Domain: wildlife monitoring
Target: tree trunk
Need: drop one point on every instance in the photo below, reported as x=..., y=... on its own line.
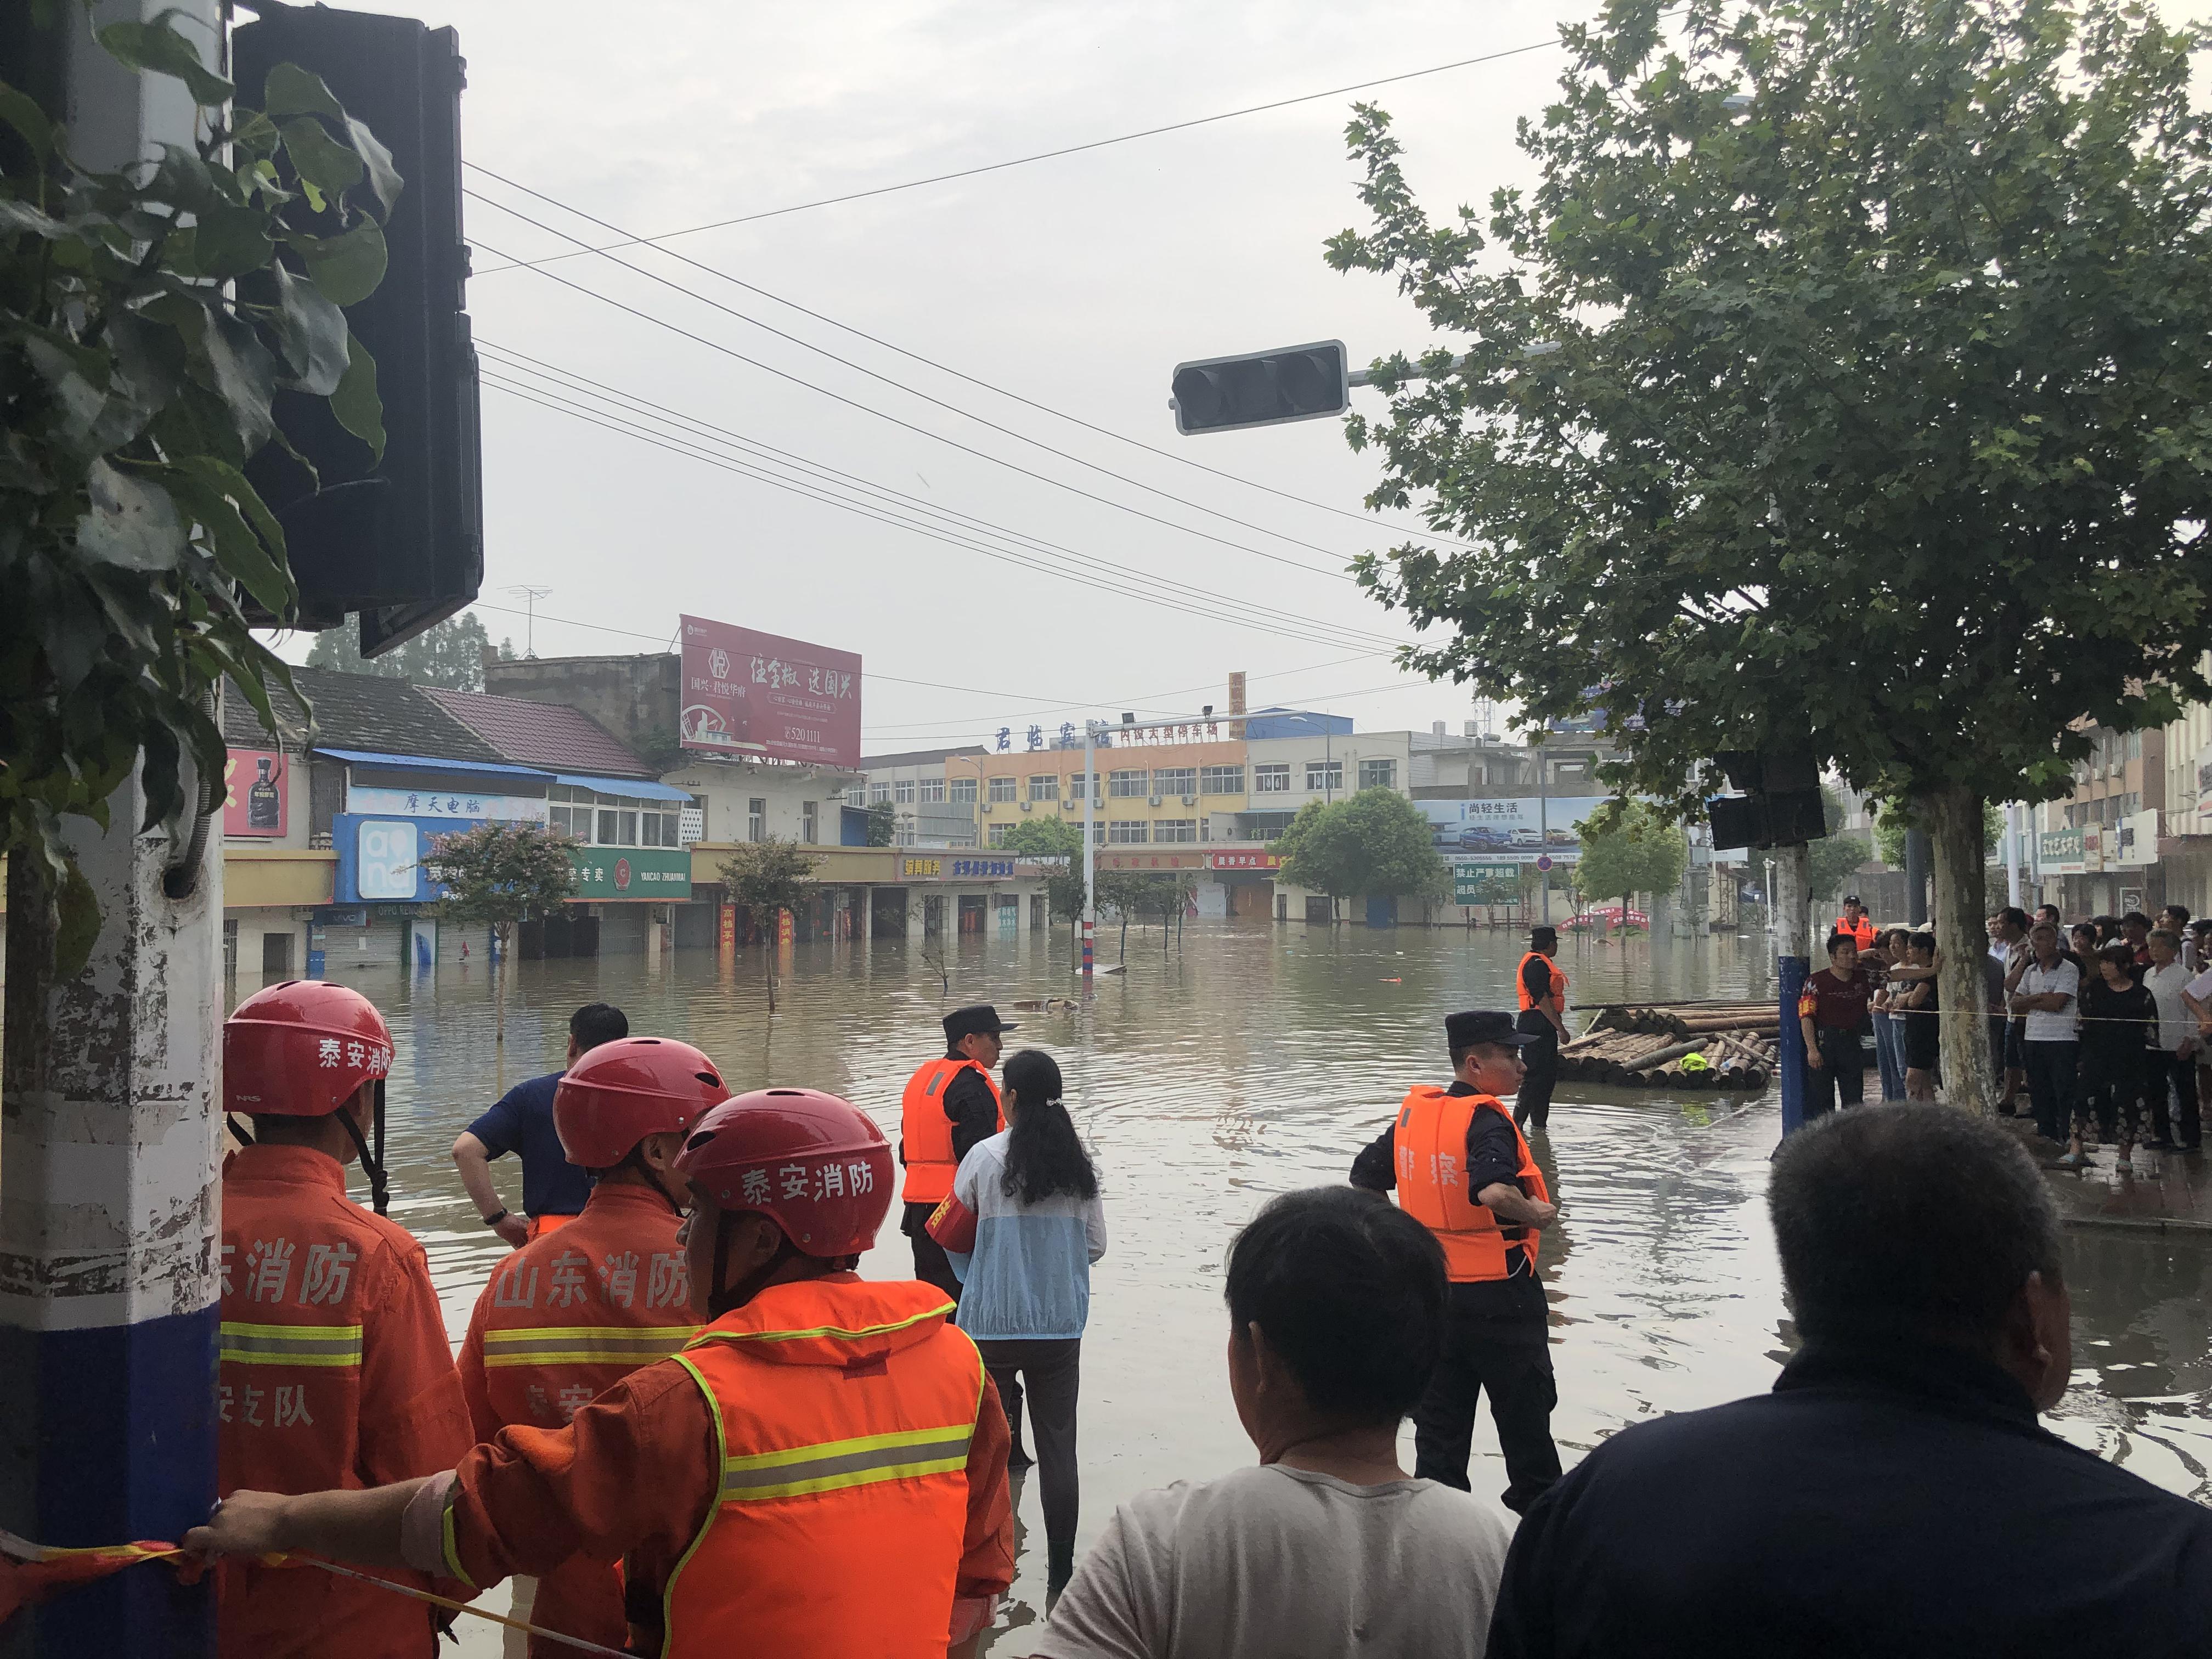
x=1953, y=818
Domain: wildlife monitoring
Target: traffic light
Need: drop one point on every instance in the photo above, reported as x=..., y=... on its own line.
x=1781, y=806
x=400, y=541
x=1262, y=388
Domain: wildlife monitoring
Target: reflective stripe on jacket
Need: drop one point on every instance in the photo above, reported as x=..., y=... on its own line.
x=1556, y=999
x=334, y=1372
x=842, y=1417
x=927, y=1133
x=561, y=1320
x=1428, y=1142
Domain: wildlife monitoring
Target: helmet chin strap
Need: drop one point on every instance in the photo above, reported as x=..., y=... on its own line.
x=634, y=1159
x=371, y=1164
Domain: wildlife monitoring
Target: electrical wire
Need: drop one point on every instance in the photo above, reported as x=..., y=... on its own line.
x=1131, y=703
x=943, y=368
x=1308, y=632
x=952, y=408
x=691, y=427
x=949, y=730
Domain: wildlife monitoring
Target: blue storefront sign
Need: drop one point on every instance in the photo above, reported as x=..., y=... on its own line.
x=381, y=857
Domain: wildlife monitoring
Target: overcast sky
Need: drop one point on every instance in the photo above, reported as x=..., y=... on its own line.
x=1077, y=281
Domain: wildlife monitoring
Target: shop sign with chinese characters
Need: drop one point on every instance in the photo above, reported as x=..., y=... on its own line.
x=608, y=874
x=447, y=802
x=1244, y=861
x=760, y=694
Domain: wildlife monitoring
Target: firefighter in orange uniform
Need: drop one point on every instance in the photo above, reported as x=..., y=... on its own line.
x=820, y=1474
x=335, y=1370
x=949, y=1105
x=565, y=1318
x=1543, y=1020
x=1855, y=922
x=1461, y=1168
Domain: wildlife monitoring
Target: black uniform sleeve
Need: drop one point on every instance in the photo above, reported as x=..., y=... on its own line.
x=1536, y=978
x=1522, y=1624
x=1376, y=1167
x=973, y=1109
x=1492, y=1154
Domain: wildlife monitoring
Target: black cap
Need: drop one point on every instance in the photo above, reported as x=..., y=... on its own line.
x=979, y=1019
x=1853, y=898
x=1483, y=1025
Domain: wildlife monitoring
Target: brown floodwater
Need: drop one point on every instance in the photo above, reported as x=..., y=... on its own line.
x=1257, y=1058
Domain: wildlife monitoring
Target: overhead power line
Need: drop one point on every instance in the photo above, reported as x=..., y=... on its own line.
x=693, y=428
x=1370, y=521
x=1054, y=154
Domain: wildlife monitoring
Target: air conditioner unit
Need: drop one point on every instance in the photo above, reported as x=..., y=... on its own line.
x=1155, y=800
x=1026, y=806
x=1190, y=800
x=985, y=806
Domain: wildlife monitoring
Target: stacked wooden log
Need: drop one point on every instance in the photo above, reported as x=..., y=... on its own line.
x=1645, y=1045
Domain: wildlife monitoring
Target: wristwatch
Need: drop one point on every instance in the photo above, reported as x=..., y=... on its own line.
x=494, y=1219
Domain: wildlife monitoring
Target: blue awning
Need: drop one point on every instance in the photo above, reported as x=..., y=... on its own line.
x=634, y=788
x=431, y=764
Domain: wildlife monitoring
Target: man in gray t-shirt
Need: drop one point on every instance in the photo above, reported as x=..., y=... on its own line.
x=1336, y=1303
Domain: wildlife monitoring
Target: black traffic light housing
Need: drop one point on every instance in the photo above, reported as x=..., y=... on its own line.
x=400, y=541
x=1781, y=805
x=1262, y=388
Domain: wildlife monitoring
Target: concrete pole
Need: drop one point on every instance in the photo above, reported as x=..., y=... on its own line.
x=109, y=1194
x=1090, y=851
x=1792, y=873
x=2015, y=814
x=1544, y=828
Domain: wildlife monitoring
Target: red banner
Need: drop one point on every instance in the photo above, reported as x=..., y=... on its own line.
x=760, y=693
x=255, y=806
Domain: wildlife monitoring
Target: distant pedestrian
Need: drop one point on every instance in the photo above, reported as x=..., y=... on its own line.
x=2081, y=946
x=2119, y=1030
x=1923, y=1036
x=2174, y=1069
x=2050, y=913
x=2135, y=932
x=1894, y=1494
x=1022, y=1227
x=1543, y=1018
x=1888, y=955
x=2045, y=997
x=1835, y=1005
x=2175, y=918
x=1336, y=1310
x=1855, y=922
x=949, y=1107
x=554, y=1190
x=2008, y=930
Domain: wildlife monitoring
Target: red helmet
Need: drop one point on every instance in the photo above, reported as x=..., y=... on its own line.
x=620, y=1092
x=814, y=1164
x=301, y=1049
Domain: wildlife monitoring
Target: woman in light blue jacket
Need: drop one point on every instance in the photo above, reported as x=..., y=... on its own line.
x=1022, y=1228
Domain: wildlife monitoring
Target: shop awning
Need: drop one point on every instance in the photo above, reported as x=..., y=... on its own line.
x=634, y=788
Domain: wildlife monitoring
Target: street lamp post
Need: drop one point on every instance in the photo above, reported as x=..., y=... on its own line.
x=1090, y=848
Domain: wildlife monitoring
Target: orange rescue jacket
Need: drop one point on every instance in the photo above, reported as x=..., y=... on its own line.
x=1556, y=999
x=562, y=1319
x=335, y=1373
x=925, y=1133
x=1863, y=932
x=1429, y=1141
x=842, y=1415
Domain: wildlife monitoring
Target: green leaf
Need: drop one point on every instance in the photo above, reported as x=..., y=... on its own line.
x=288, y=91
x=312, y=333
x=322, y=162
x=254, y=136
x=21, y=216
x=215, y=493
x=384, y=181
x=239, y=370
x=21, y=112
x=230, y=241
x=346, y=267
x=132, y=522
x=77, y=914
x=157, y=49
x=356, y=403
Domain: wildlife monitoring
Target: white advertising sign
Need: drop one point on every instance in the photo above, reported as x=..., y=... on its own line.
x=2133, y=842
x=446, y=803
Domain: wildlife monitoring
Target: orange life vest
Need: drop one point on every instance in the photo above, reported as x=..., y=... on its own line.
x=1863, y=932
x=562, y=1321
x=927, y=1133
x=842, y=1410
x=1429, y=1141
x=1556, y=999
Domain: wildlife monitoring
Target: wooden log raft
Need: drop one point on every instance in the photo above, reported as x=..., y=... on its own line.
x=1645, y=1044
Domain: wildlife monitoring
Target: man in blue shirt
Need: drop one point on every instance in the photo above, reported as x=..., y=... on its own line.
x=553, y=1189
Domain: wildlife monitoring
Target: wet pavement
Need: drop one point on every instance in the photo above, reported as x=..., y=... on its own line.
x=1257, y=1058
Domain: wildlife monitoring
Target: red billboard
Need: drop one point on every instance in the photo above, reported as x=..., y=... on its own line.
x=760, y=693
x=254, y=804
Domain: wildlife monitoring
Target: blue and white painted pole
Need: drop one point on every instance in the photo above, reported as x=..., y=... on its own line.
x=109, y=1188
x=1793, y=950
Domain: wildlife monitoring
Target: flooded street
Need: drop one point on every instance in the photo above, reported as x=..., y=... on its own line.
x=1258, y=1059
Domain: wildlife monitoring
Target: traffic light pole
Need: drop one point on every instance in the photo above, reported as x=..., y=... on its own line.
x=1794, y=956
x=1090, y=848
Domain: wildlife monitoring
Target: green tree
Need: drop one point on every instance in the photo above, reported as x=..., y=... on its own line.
x=1639, y=851
x=449, y=655
x=1126, y=893
x=148, y=319
x=1054, y=838
x=767, y=878
x=1377, y=841
x=883, y=824
x=502, y=874
x=1894, y=819
x=1870, y=418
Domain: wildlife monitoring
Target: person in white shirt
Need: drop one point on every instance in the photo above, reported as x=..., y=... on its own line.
x=2175, y=1067
x=2046, y=995
x=1336, y=1308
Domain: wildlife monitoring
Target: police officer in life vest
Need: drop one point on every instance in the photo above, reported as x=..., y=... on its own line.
x=949, y=1105
x=1461, y=1167
x=1543, y=1021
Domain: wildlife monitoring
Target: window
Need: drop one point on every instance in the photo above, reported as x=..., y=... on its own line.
x=757, y=819
x=1044, y=786
x=857, y=795
x=608, y=829
x=878, y=793
x=1272, y=779
x=558, y=816
x=1220, y=779
x=626, y=835
x=1378, y=775
x=1324, y=774
x=1098, y=832
x=1075, y=786
x=1175, y=780
x=1128, y=832
x=902, y=791
x=963, y=792
x=932, y=789
x=1176, y=830
x=809, y=821
x=1128, y=783
x=1002, y=789
x=999, y=832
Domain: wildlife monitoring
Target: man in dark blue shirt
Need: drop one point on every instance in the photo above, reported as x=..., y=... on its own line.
x=1894, y=1494
x=553, y=1189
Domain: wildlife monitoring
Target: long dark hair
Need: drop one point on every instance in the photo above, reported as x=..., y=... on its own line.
x=1044, y=1157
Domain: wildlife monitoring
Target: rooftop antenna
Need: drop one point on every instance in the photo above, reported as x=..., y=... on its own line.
x=530, y=595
